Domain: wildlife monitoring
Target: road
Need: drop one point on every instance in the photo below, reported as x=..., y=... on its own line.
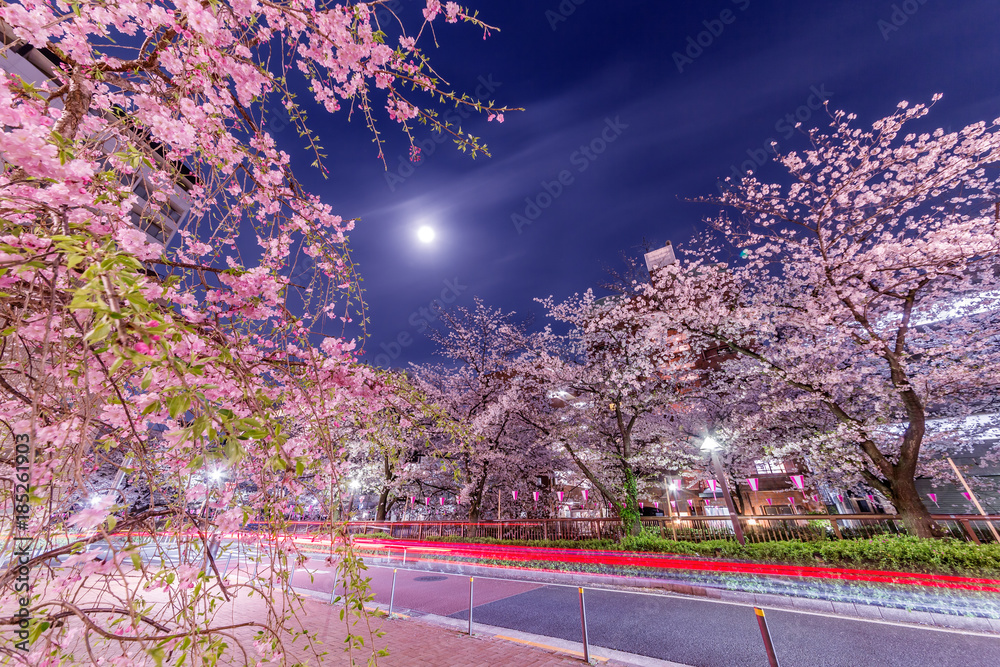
x=684, y=630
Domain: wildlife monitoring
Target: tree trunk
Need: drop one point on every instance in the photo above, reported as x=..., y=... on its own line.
x=382, y=502
x=630, y=514
x=911, y=508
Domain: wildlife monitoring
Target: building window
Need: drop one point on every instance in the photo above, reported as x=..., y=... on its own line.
x=770, y=466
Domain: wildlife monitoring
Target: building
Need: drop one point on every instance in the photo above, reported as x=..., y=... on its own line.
x=160, y=222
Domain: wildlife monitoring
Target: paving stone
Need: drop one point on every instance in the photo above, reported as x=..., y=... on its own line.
x=904, y=616
x=971, y=623
x=844, y=608
x=809, y=604
x=768, y=600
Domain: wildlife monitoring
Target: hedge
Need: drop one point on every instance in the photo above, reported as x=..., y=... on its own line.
x=887, y=552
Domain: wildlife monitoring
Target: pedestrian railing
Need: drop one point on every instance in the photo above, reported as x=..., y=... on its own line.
x=764, y=528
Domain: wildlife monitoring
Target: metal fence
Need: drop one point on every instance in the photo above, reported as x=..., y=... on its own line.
x=766, y=528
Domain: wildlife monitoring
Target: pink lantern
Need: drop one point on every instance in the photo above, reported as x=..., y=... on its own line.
x=967, y=495
x=514, y=493
x=560, y=496
x=753, y=483
x=770, y=502
x=690, y=503
x=798, y=482
x=640, y=504
x=427, y=501
x=673, y=503
x=870, y=498
x=816, y=498
x=840, y=497
x=586, y=495
x=712, y=484
x=442, y=501
x=656, y=504
x=933, y=497
x=536, y=496
x=791, y=499
x=413, y=500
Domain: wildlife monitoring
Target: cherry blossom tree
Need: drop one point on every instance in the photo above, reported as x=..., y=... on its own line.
x=621, y=383
x=482, y=389
x=864, y=304
x=194, y=369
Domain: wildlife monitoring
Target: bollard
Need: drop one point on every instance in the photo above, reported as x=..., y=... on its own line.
x=583, y=621
x=471, y=583
x=392, y=594
x=772, y=659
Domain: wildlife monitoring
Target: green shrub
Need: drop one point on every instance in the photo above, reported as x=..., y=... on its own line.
x=887, y=552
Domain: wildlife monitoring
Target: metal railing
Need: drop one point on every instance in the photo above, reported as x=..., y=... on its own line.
x=763, y=528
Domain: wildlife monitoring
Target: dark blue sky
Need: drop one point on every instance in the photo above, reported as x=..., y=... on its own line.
x=610, y=69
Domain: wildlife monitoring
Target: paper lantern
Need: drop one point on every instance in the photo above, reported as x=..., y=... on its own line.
x=816, y=498
x=673, y=503
x=870, y=498
x=427, y=501
x=690, y=503
x=560, y=496
x=967, y=495
x=770, y=502
x=933, y=497
x=791, y=499
x=798, y=482
x=640, y=504
x=753, y=483
x=536, y=496
x=413, y=500
x=514, y=493
x=712, y=484
x=840, y=497
x=442, y=500
x=656, y=504
x=586, y=495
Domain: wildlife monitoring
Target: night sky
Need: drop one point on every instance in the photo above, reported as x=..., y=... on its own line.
x=668, y=127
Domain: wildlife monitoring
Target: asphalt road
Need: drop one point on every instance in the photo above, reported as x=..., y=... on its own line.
x=688, y=631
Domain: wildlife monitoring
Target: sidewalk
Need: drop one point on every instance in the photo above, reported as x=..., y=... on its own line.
x=411, y=642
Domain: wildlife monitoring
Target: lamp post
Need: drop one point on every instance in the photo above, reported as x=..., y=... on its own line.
x=354, y=486
x=713, y=447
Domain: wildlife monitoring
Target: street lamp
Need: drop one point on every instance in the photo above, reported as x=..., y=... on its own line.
x=712, y=447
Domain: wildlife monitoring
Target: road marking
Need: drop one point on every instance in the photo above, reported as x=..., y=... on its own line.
x=547, y=647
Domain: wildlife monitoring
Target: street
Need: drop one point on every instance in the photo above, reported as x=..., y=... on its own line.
x=684, y=630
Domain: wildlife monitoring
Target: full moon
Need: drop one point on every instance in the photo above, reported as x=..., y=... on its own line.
x=426, y=234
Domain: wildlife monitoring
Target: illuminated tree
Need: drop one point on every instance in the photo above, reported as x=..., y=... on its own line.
x=865, y=302
x=194, y=369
